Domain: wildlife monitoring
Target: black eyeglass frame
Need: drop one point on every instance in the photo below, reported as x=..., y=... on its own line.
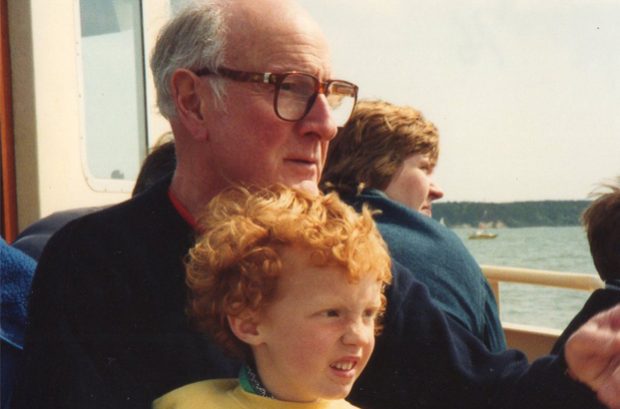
x=277, y=79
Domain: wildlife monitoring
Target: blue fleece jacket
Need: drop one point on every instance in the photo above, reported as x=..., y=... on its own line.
x=437, y=257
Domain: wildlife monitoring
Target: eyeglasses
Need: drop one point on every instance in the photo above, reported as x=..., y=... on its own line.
x=296, y=92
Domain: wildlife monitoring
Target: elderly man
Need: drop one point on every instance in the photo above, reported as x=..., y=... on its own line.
x=247, y=88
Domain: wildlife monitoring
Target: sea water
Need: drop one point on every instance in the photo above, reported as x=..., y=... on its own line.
x=563, y=249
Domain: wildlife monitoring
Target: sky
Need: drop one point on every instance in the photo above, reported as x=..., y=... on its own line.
x=525, y=93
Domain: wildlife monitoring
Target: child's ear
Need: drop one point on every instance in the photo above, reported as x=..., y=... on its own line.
x=245, y=327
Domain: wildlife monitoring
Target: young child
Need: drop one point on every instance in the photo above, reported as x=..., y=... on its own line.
x=291, y=283
x=602, y=222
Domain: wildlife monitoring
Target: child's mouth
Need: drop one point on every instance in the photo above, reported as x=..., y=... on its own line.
x=343, y=366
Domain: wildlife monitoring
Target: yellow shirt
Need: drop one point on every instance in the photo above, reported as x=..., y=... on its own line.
x=227, y=394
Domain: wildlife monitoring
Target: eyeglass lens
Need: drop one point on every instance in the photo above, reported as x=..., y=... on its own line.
x=297, y=92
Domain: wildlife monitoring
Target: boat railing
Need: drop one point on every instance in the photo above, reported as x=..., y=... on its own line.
x=533, y=340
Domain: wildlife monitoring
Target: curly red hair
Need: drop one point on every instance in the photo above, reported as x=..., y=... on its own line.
x=235, y=264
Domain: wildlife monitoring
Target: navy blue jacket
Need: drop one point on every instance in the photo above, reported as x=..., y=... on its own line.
x=108, y=330
x=33, y=238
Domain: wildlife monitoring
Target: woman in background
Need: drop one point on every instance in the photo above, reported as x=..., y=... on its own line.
x=385, y=156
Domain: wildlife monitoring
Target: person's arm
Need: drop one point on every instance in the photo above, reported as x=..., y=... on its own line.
x=424, y=359
x=593, y=355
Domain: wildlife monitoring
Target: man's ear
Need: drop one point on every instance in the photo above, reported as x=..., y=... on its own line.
x=190, y=97
x=245, y=327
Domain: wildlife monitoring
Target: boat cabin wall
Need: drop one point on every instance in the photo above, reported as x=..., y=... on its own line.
x=83, y=100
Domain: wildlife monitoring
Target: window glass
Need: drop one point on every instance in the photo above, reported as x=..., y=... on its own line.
x=177, y=5
x=112, y=94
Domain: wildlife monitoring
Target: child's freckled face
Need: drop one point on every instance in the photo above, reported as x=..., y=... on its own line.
x=317, y=336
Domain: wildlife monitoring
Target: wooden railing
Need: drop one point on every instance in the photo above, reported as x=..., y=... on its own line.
x=575, y=281
x=535, y=341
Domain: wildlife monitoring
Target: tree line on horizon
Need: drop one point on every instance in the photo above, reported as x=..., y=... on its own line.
x=514, y=214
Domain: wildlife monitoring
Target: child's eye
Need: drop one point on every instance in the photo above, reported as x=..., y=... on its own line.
x=331, y=313
x=370, y=313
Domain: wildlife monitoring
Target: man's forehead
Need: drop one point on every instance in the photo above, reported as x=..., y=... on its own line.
x=283, y=38
x=264, y=11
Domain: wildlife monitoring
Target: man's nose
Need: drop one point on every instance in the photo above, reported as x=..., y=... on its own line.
x=320, y=120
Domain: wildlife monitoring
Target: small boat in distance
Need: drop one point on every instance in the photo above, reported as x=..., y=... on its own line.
x=482, y=234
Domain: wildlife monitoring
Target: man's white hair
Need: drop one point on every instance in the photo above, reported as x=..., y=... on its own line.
x=194, y=38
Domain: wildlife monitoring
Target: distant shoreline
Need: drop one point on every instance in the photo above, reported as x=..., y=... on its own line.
x=515, y=214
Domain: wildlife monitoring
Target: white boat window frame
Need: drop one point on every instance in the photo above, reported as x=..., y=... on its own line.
x=152, y=15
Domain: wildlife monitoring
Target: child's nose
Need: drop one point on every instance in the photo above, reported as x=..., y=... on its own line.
x=358, y=333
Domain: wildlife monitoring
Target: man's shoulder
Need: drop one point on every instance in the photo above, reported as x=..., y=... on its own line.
x=32, y=239
x=121, y=231
x=151, y=208
x=55, y=221
x=114, y=262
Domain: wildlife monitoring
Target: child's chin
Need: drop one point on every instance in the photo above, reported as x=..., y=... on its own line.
x=340, y=392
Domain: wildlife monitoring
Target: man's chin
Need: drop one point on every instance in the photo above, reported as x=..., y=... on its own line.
x=309, y=186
